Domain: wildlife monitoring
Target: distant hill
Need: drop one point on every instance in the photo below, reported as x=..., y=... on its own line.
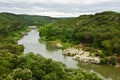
x=35, y=19
x=10, y=21
x=27, y=19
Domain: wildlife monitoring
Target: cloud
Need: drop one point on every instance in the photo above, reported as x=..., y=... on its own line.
x=82, y=2
x=58, y=8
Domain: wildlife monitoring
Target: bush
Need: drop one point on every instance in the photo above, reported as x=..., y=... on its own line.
x=20, y=74
x=108, y=60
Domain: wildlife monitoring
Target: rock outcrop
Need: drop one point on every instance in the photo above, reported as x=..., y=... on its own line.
x=70, y=52
x=58, y=45
x=81, y=55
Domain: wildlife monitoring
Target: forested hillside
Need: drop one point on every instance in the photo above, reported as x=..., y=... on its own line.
x=100, y=31
x=9, y=20
x=14, y=65
x=36, y=20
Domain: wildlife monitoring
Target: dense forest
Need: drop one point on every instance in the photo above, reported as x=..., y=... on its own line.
x=11, y=22
x=14, y=65
x=100, y=31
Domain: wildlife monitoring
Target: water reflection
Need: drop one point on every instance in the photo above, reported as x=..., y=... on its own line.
x=51, y=47
x=109, y=72
x=32, y=43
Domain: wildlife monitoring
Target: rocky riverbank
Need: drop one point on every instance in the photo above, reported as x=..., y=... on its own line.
x=81, y=55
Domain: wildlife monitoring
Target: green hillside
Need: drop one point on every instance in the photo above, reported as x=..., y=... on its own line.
x=100, y=31
x=14, y=65
x=35, y=19
x=11, y=22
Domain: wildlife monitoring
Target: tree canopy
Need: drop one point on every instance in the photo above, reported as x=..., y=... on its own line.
x=101, y=31
x=14, y=65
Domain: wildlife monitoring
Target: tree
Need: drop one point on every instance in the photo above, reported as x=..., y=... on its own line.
x=50, y=76
x=20, y=74
x=107, y=46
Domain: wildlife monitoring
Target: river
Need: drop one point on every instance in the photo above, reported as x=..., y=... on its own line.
x=32, y=43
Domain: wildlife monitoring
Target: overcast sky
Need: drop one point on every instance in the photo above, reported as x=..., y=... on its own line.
x=59, y=8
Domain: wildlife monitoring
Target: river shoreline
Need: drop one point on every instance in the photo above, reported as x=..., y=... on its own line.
x=32, y=44
x=94, y=56
x=81, y=55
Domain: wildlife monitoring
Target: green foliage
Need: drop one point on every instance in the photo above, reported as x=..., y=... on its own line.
x=16, y=20
x=106, y=44
x=17, y=66
x=14, y=49
x=100, y=31
x=47, y=69
x=10, y=28
x=36, y=20
x=7, y=62
x=40, y=66
x=77, y=74
x=20, y=74
x=108, y=60
x=50, y=76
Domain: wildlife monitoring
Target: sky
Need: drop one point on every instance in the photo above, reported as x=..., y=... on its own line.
x=59, y=8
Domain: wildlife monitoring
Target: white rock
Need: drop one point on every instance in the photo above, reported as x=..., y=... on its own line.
x=58, y=45
x=70, y=51
x=81, y=55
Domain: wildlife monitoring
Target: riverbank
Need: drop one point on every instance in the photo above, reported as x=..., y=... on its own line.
x=59, y=44
x=81, y=55
x=32, y=44
x=85, y=54
x=78, y=54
